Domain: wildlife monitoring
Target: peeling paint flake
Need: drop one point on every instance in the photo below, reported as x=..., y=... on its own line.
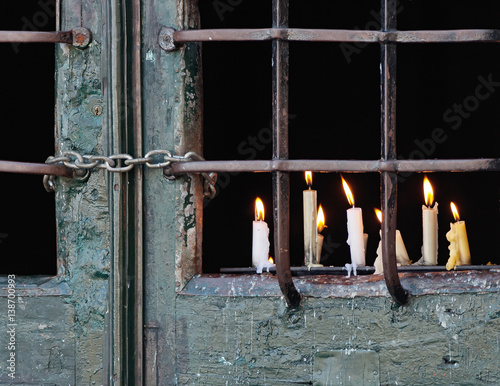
x=224, y=361
x=150, y=56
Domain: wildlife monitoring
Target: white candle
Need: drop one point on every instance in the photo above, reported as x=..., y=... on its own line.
x=402, y=257
x=429, y=227
x=459, y=243
x=401, y=252
x=355, y=237
x=260, y=239
x=310, y=222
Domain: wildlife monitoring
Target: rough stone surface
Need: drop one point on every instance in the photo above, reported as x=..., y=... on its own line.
x=437, y=339
x=44, y=339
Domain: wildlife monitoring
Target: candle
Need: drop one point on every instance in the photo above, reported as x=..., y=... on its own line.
x=319, y=237
x=429, y=227
x=459, y=244
x=401, y=253
x=355, y=237
x=310, y=222
x=260, y=239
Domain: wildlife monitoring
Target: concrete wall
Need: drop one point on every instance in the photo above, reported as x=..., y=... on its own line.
x=243, y=334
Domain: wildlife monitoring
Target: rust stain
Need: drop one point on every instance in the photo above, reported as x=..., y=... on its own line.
x=80, y=38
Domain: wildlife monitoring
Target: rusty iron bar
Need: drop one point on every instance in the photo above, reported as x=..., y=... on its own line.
x=169, y=38
x=35, y=168
x=79, y=37
x=281, y=179
x=36, y=37
x=347, y=166
x=136, y=212
x=388, y=180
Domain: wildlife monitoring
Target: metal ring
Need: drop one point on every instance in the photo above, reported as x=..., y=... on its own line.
x=167, y=173
x=70, y=165
x=106, y=161
x=85, y=165
x=49, y=183
x=159, y=165
x=193, y=156
x=58, y=159
x=119, y=169
x=209, y=185
x=138, y=161
x=81, y=175
x=89, y=163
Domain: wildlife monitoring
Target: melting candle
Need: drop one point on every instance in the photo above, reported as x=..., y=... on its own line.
x=429, y=227
x=260, y=239
x=401, y=253
x=459, y=244
x=310, y=223
x=355, y=237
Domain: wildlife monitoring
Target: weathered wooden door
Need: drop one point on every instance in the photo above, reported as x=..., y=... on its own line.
x=120, y=234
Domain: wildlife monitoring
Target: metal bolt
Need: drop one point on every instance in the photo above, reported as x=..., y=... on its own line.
x=81, y=37
x=97, y=110
x=95, y=105
x=166, y=39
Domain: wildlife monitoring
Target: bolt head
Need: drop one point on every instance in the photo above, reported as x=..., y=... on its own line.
x=166, y=39
x=97, y=110
x=81, y=37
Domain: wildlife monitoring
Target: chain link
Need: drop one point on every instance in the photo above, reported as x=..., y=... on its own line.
x=122, y=163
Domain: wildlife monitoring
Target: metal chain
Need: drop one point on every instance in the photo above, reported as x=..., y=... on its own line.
x=121, y=163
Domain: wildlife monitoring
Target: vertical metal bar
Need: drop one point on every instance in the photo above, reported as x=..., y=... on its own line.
x=388, y=180
x=281, y=180
x=138, y=174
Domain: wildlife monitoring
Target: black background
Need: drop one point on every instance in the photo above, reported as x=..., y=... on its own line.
x=27, y=213
x=335, y=114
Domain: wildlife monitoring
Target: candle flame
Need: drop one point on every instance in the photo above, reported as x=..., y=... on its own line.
x=454, y=210
x=348, y=192
x=378, y=213
x=259, y=210
x=321, y=219
x=309, y=179
x=428, y=192
x=271, y=260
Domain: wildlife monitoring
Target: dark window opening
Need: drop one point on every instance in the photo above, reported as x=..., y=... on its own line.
x=447, y=108
x=27, y=220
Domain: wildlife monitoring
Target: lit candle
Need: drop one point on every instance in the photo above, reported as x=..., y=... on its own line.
x=260, y=239
x=429, y=227
x=355, y=237
x=310, y=222
x=319, y=237
x=459, y=244
x=401, y=253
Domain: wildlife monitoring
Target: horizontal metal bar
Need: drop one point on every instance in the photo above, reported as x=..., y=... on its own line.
x=285, y=34
x=367, y=270
x=34, y=168
x=349, y=166
x=36, y=37
x=445, y=36
x=169, y=37
x=79, y=37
